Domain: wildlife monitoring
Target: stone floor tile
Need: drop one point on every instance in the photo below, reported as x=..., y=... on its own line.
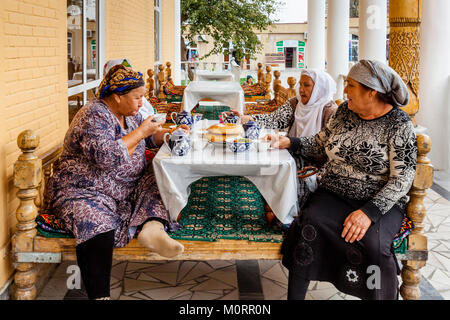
x=135, y=285
x=118, y=270
x=166, y=292
x=436, y=220
x=308, y=296
x=145, y=277
x=272, y=290
x=441, y=276
x=201, y=295
x=233, y=295
x=55, y=288
x=123, y=297
x=219, y=264
x=140, y=296
x=115, y=293
x=184, y=268
x=324, y=285
x=438, y=286
x=163, y=268
x=229, y=277
x=186, y=296
x=169, y=277
x=265, y=265
x=426, y=271
x=198, y=271
x=323, y=294
x=133, y=266
x=211, y=284
x=312, y=285
x=336, y=297
x=276, y=273
x=445, y=294
x=349, y=297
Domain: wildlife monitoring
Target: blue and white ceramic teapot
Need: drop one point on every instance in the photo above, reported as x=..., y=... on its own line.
x=251, y=129
x=230, y=117
x=183, y=117
x=179, y=142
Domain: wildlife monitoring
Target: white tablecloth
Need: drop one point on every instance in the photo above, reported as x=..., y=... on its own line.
x=272, y=172
x=227, y=93
x=205, y=75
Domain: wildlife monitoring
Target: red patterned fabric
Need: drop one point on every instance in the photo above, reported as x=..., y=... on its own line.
x=253, y=90
x=261, y=108
x=170, y=88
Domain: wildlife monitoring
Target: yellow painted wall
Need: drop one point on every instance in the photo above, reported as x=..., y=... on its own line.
x=33, y=78
x=33, y=86
x=129, y=32
x=168, y=31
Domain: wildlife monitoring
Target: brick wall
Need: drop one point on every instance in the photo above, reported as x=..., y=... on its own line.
x=34, y=93
x=129, y=32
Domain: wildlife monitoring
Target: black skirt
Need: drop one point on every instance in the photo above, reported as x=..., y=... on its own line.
x=314, y=249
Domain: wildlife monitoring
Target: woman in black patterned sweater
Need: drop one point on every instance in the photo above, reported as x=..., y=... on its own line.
x=344, y=234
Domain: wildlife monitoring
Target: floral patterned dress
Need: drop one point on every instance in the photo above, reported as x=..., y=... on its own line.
x=97, y=186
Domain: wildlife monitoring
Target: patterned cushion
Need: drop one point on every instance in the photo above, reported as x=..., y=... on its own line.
x=261, y=108
x=253, y=90
x=171, y=89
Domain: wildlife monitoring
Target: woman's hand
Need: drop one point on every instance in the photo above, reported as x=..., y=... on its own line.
x=246, y=118
x=355, y=226
x=148, y=127
x=277, y=141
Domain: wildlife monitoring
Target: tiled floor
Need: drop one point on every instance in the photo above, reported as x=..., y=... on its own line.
x=218, y=280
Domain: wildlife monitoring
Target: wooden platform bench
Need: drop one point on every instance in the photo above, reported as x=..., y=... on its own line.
x=28, y=248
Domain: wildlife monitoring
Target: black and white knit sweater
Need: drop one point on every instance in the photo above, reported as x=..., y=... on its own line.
x=370, y=160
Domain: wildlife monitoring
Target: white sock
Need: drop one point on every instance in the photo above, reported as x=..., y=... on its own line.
x=154, y=237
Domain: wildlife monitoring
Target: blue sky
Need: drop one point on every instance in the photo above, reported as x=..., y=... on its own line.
x=294, y=11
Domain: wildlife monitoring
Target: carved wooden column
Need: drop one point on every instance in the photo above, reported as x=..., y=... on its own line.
x=260, y=73
x=267, y=82
x=404, y=47
x=161, y=83
x=150, y=84
x=276, y=83
x=27, y=177
x=291, y=83
x=416, y=211
x=404, y=50
x=168, y=71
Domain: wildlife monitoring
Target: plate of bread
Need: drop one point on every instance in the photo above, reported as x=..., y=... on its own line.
x=220, y=132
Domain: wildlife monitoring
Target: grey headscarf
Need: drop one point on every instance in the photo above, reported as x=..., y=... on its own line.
x=382, y=78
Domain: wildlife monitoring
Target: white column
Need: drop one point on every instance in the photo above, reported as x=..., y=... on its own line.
x=315, y=45
x=372, y=29
x=337, y=42
x=177, y=60
x=434, y=90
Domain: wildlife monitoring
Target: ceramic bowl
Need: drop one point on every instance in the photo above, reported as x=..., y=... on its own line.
x=159, y=117
x=238, y=144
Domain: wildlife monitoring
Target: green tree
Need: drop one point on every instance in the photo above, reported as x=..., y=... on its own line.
x=227, y=21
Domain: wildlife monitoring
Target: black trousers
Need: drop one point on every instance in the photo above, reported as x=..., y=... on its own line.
x=94, y=258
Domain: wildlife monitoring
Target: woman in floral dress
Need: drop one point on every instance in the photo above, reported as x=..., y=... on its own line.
x=101, y=186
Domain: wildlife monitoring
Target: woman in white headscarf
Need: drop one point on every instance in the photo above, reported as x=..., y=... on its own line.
x=306, y=113
x=147, y=109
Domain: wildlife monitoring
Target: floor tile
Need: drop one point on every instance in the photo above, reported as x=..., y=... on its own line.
x=136, y=285
x=166, y=292
x=211, y=284
x=271, y=290
x=276, y=273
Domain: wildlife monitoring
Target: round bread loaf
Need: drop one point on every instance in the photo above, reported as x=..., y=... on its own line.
x=222, y=131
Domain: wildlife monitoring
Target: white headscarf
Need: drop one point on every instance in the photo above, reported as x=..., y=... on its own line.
x=308, y=118
x=146, y=110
